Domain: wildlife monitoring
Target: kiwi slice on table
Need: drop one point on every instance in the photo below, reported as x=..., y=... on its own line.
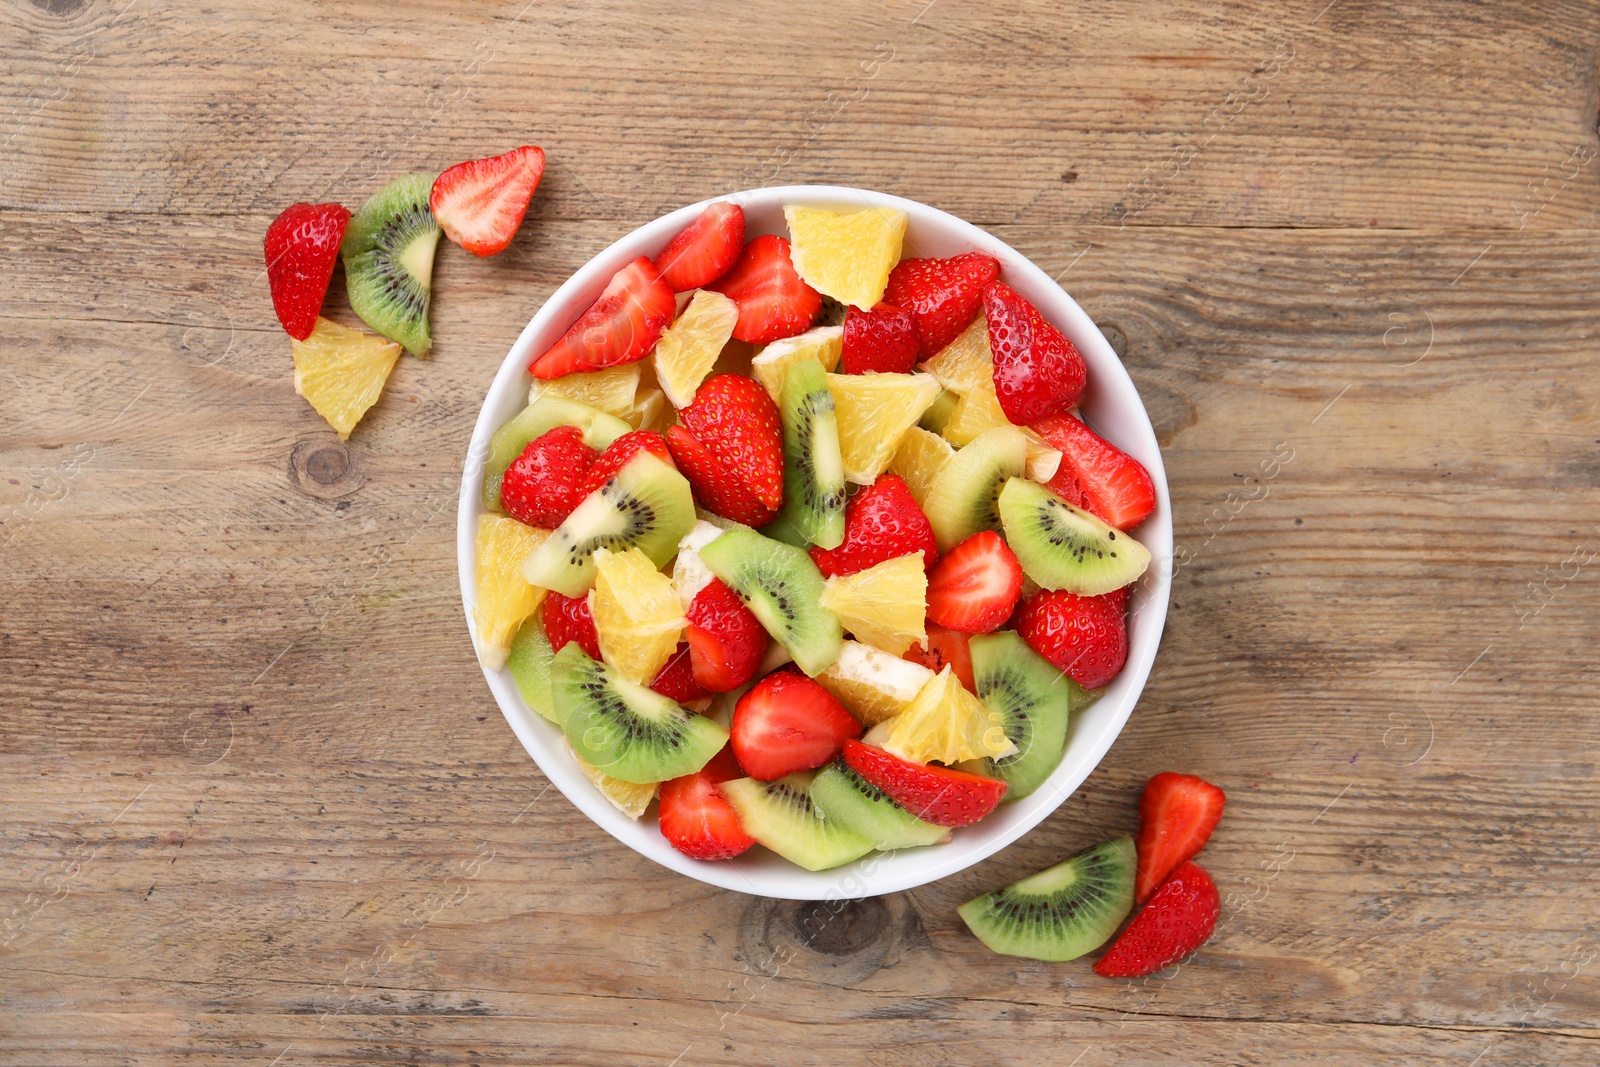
x=1063, y=547
x=533, y=422
x=782, y=816
x=813, y=465
x=844, y=797
x=1062, y=912
x=962, y=497
x=625, y=730
x=1033, y=700
x=647, y=505
x=529, y=661
x=388, y=261
x=782, y=588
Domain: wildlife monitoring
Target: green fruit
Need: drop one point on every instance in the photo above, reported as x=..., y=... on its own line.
x=1059, y=913
x=962, y=498
x=844, y=797
x=388, y=261
x=533, y=422
x=782, y=588
x=781, y=529
x=529, y=660
x=939, y=412
x=813, y=466
x=781, y=816
x=831, y=313
x=1033, y=700
x=1063, y=547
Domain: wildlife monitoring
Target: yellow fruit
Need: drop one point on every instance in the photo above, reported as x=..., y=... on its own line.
x=871, y=684
x=945, y=723
x=636, y=614
x=885, y=606
x=1043, y=461
x=965, y=363
x=874, y=412
x=977, y=411
x=611, y=390
x=627, y=797
x=823, y=344
x=342, y=371
x=504, y=597
x=650, y=412
x=847, y=257
x=690, y=347
x=920, y=456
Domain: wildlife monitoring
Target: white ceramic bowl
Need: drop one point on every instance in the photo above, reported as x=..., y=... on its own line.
x=1111, y=404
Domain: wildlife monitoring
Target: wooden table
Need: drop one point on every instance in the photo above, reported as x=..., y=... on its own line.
x=258, y=806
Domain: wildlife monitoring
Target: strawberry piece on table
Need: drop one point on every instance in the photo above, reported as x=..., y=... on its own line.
x=881, y=522
x=480, y=204
x=1086, y=637
x=1177, y=813
x=1037, y=371
x=716, y=488
x=622, y=326
x=943, y=796
x=943, y=294
x=675, y=681
x=301, y=247
x=618, y=453
x=976, y=585
x=1178, y=920
x=726, y=641
x=946, y=648
x=773, y=301
x=1097, y=475
x=704, y=250
x=695, y=818
x=735, y=418
x=546, y=482
x=788, y=723
x=883, y=339
x=567, y=618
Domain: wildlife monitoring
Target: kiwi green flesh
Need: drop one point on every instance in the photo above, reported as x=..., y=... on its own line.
x=529, y=662
x=1062, y=912
x=781, y=815
x=844, y=797
x=388, y=261
x=783, y=589
x=938, y=414
x=647, y=505
x=962, y=499
x=781, y=529
x=627, y=731
x=1034, y=701
x=533, y=422
x=1064, y=547
x=813, y=465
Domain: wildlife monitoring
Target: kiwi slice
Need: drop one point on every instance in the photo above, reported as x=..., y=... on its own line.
x=647, y=505
x=1063, y=547
x=939, y=412
x=533, y=422
x=783, y=588
x=961, y=499
x=529, y=660
x=813, y=466
x=782, y=816
x=1059, y=913
x=1033, y=700
x=629, y=732
x=831, y=313
x=388, y=261
x=781, y=529
x=844, y=797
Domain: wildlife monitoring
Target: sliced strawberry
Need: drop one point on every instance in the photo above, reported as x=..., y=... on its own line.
x=943, y=294
x=619, y=452
x=788, y=723
x=622, y=326
x=1109, y=482
x=480, y=204
x=716, y=488
x=1177, y=813
x=773, y=301
x=1086, y=637
x=946, y=648
x=726, y=641
x=301, y=247
x=705, y=249
x=881, y=522
x=696, y=819
x=676, y=679
x=975, y=586
x=943, y=796
x=883, y=339
x=1178, y=920
x=546, y=482
x=1037, y=371
x=735, y=418
x=567, y=618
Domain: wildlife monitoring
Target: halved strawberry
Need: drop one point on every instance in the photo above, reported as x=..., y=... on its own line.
x=546, y=482
x=695, y=818
x=1108, y=482
x=943, y=796
x=726, y=641
x=1177, y=813
x=567, y=618
x=943, y=294
x=735, y=418
x=883, y=339
x=676, y=680
x=773, y=301
x=788, y=723
x=480, y=204
x=302, y=246
x=1086, y=637
x=976, y=584
x=716, y=488
x=621, y=450
x=946, y=648
x=1179, y=919
x=705, y=249
x=881, y=522
x=621, y=326
x=1037, y=371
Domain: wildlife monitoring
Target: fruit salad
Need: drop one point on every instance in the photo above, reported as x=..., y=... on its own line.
x=806, y=542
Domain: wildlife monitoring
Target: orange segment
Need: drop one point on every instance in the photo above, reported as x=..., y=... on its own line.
x=847, y=257
x=342, y=372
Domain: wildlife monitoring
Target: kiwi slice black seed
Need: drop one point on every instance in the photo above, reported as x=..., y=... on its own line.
x=1062, y=912
x=780, y=814
x=388, y=261
x=962, y=499
x=843, y=796
x=783, y=589
x=813, y=466
x=831, y=313
x=534, y=421
x=1034, y=700
x=1063, y=547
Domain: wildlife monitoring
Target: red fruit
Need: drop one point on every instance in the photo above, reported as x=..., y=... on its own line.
x=726, y=641
x=789, y=723
x=943, y=294
x=545, y=483
x=881, y=522
x=567, y=618
x=1086, y=637
x=696, y=819
x=705, y=249
x=716, y=488
x=622, y=326
x=883, y=339
x=773, y=301
x=676, y=679
x=946, y=648
x=940, y=795
x=737, y=421
x=975, y=586
x=1109, y=482
x=1176, y=816
x=1179, y=919
x=301, y=246
x=621, y=450
x=1037, y=371
x=480, y=204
